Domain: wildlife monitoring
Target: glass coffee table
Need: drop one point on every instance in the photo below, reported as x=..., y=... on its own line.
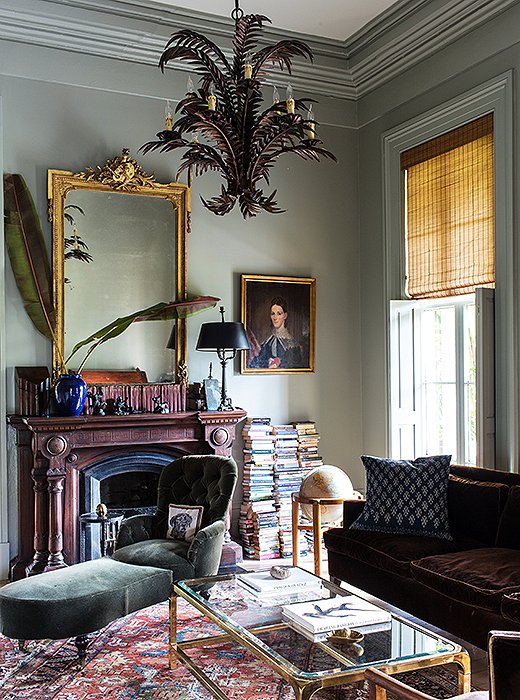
x=306, y=663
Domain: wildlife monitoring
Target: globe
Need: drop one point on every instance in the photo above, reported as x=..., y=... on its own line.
x=326, y=482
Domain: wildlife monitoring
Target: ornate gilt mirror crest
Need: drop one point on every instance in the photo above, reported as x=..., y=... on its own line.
x=118, y=246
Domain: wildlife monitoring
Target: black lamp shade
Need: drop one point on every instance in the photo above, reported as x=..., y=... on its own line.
x=222, y=335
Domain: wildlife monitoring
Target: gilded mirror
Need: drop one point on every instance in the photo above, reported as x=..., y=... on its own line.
x=119, y=245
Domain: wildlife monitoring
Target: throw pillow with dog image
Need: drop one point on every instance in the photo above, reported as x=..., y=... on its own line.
x=183, y=521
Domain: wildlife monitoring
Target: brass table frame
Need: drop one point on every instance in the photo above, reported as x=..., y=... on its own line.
x=303, y=684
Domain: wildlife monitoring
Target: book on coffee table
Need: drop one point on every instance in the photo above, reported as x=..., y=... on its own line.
x=334, y=613
x=323, y=636
x=262, y=583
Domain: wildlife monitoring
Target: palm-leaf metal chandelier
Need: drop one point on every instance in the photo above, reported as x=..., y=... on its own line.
x=240, y=139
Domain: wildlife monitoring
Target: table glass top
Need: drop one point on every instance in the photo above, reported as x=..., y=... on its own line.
x=236, y=609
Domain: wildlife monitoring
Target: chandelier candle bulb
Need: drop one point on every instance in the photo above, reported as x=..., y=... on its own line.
x=212, y=100
x=248, y=68
x=289, y=99
x=168, y=116
x=311, y=125
x=190, y=87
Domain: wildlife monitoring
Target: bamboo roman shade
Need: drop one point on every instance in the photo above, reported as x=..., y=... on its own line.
x=449, y=192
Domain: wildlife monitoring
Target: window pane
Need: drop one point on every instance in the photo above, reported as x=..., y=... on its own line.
x=440, y=416
x=438, y=344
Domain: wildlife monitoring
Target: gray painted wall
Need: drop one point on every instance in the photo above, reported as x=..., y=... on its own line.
x=68, y=111
x=480, y=56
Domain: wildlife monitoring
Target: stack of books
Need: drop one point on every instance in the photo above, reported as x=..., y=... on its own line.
x=308, y=442
x=287, y=475
x=258, y=527
x=276, y=459
x=317, y=619
x=300, y=586
x=308, y=458
x=258, y=523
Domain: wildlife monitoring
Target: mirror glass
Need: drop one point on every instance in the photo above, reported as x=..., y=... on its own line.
x=134, y=245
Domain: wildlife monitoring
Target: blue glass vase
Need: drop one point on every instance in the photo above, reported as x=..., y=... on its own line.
x=70, y=393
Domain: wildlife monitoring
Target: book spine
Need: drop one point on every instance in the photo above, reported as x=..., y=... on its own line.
x=317, y=628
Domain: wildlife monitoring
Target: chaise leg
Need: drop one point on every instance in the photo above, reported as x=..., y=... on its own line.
x=81, y=643
x=336, y=581
x=21, y=645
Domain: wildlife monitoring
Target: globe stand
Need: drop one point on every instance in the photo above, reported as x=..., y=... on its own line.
x=315, y=526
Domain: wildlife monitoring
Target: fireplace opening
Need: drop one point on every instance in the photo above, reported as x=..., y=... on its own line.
x=126, y=483
x=134, y=490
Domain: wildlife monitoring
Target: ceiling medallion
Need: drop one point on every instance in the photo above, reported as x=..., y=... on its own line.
x=240, y=138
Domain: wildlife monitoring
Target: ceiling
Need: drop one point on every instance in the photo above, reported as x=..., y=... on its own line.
x=335, y=19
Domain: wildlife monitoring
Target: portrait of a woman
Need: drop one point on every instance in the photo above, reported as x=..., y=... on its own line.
x=278, y=314
x=280, y=349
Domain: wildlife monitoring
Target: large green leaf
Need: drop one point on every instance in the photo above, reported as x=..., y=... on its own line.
x=28, y=254
x=162, y=311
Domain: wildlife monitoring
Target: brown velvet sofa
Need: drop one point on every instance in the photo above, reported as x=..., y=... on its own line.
x=466, y=586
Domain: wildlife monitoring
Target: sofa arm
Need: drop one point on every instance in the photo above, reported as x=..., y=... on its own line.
x=351, y=510
x=137, y=528
x=510, y=606
x=206, y=549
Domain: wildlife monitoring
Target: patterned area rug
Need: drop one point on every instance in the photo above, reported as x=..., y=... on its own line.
x=128, y=659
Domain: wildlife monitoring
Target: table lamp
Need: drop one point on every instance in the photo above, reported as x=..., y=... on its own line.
x=224, y=338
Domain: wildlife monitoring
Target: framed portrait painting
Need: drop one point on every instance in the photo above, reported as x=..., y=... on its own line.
x=279, y=314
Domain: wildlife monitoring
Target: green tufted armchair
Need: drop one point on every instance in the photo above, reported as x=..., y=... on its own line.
x=206, y=480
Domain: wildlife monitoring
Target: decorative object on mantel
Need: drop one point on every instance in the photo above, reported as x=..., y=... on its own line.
x=225, y=338
x=32, y=391
x=228, y=111
x=70, y=394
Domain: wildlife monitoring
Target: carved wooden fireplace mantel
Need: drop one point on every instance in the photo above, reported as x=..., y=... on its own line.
x=52, y=453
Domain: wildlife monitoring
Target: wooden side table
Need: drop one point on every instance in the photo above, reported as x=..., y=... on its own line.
x=315, y=526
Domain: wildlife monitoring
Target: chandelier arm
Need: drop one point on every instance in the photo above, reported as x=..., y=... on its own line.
x=186, y=38
x=280, y=135
x=231, y=152
x=282, y=53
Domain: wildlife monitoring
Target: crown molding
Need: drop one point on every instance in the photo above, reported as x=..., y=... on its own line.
x=95, y=27
x=399, y=38
x=410, y=32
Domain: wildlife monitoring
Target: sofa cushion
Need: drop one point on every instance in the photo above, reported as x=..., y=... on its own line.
x=406, y=497
x=477, y=577
x=484, y=500
x=508, y=534
x=386, y=552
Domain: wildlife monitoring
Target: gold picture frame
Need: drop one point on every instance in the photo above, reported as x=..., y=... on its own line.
x=279, y=315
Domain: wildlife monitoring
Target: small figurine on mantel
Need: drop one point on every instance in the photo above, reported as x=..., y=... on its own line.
x=98, y=405
x=121, y=408
x=160, y=406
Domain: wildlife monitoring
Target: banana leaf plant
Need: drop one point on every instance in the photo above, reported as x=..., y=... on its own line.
x=30, y=262
x=162, y=311
x=28, y=254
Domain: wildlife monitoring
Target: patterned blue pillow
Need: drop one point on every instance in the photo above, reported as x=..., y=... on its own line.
x=406, y=497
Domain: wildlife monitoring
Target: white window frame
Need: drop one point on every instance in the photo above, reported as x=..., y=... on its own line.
x=494, y=96
x=407, y=376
